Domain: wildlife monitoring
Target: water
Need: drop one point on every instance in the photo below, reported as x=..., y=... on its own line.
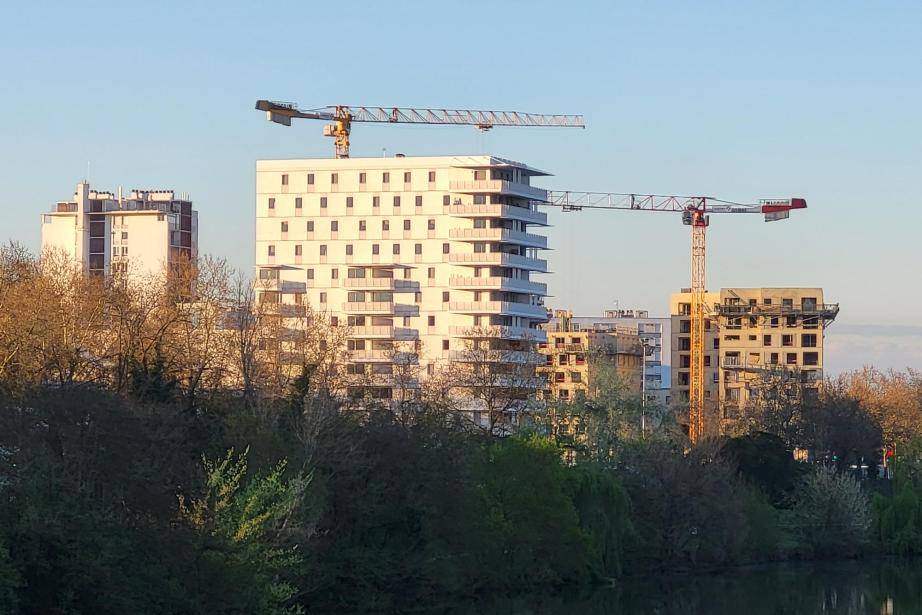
x=870, y=587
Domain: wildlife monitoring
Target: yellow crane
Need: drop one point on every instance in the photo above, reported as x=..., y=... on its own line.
x=695, y=212
x=342, y=117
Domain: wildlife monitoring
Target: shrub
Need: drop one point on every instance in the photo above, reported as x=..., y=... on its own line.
x=831, y=514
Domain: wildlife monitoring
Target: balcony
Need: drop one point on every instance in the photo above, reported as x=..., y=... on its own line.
x=526, y=310
x=392, y=284
x=501, y=259
x=518, y=357
x=826, y=311
x=371, y=356
x=499, y=186
x=384, y=332
x=498, y=283
x=499, y=234
x=500, y=332
x=507, y=212
x=282, y=286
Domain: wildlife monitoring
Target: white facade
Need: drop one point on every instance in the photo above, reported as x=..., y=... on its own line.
x=416, y=254
x=141, y=234
x=654, y=333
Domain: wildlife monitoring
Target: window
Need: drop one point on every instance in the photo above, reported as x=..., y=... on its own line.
x=323, y=297
x=124, y=235
x=480, y=247
x=285, y=179
x=445, y=295
x=418, y=249
x=334, y=321
x=376, y=201
x=766, y=340
x=431, y=273
x=323, y=249
x=271, y=203
x=419, y=200
x=349, y=202
x=767, y=301
x=323, y=202
x=385, y=225
x=773, y=359
x=362, y=226
x=310, y=226
x=334, y=274
x=348, y=249
x=479, y=175
x=396, y=248
x=808, y=340
x=790, y=358
x=791, y=321
x=430, y=321
x=431, y=224
x=361, y=178
x=396, y=201
x=444, y=344
x=406, y=177
x=334, y=226
x=386, y=177
x=445, y=248
x=431, y=176
x=299, y=203
x=334, y=178
x=375, y=249
x=417, y=297
x=446, y=199
x=271, y=250
x=787, y=340
x=310, y=274
x=298, y=249
x=480, y=223
x=407, y=225
x=310, y=179
x=811, y=358
x=284, y=227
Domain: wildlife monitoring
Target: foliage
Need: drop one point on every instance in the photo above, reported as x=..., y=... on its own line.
x=765, y=461
x=898, y=519
x=831, y=514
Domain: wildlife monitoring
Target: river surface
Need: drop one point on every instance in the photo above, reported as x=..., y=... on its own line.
x=878, y=587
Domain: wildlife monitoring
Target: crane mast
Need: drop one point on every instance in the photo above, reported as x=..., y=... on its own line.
x=694, y=210
x=342, y=117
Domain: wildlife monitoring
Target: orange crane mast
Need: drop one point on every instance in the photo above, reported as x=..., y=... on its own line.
x=695, y=212
x=342, y=117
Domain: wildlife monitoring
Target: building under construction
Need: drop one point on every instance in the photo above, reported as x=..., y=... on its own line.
x=752, y=335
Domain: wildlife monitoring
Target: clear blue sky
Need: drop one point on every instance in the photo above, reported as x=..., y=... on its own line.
x=740, y=100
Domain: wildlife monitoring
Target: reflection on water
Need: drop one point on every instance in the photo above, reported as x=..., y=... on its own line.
x=871, y=587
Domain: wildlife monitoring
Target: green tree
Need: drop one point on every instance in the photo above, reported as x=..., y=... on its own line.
x=831, y=514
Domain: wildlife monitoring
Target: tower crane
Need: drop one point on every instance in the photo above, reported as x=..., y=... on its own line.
x=342, y=117
x=695, y=212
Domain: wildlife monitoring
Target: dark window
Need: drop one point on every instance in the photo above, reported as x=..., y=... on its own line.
x=310, y=226
x=362, y=225
x=298, y=250
x=406, y=225
x=446, y=199
x=299, y=203
x=323, y=202
x=445, y=248
x=334, y=178
x=431, y=273
x=445, y=295
x=348, y=249
x=349, y=201
x=431, y=321
x=285, y=180
x=396, y=248
x=431, y=176
x=271, y=250
x=271, y=203
x=385, y=225
x=323, y=249
x=284, y=227
x=406, y=177
x=431, y=224
x=396, y=201
x=375, y=249
x=386, y=177
x=419, y=200
x=418, y=248
x=310, y=179
x=376, y=201
x=766, y=340
x=334, y=226
x=444, y=344
x=361, y=178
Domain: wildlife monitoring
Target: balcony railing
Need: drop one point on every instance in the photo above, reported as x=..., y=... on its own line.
x=499, y=234
x=499, y=332
x=495, y=210
x=502, y=259
x=499, y=186
x=527, y=310
x=382, y=284
x=518, y=357
x=499, y=283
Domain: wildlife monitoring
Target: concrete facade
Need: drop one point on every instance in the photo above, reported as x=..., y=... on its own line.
x=427, y=256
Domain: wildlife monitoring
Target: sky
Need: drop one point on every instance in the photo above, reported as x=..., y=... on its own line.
x=740, y=100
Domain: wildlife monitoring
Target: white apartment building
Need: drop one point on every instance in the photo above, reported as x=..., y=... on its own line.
x=655, y=336
x=423, y=258
x=144, y=233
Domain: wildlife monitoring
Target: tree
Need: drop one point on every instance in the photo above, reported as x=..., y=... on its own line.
x=831, y=514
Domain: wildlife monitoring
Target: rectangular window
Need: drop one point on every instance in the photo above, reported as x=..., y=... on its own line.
x=271, y=203
x=334, y=275
x=445, y=248
x=298, y=249
x=310, y=274
x=334, y=178
x=446, y=199
x=362, y=225
x=766, y=340
x=431, y=176
x=348, y=249
x=375, y=249
x=361, y=178
x=376, y=201
x=431, y=224
x=271, y=251
x=480, y=199
x=790, y=358
x=323, y=202
x=124, y=235
x=419, y=200
x=386, y=177
x=299, y=203
x=406, y=225
x=445, y=295
x=773, y=359
x=349, y=202
x=385, y=225
x=480, y=175
x=811, y=358
x=431, y=273
x=310, y=226
x=334, y=226
x=323, y=249
x=285, y=179
x=284, y=227
x=310, y=179
x=396, y=201
x=430, y=321
x=406, y=177
x=396, y=248
x=444, y=344
x=323, y=297
x=787, y=340
x=418, y=249
x=808, y=340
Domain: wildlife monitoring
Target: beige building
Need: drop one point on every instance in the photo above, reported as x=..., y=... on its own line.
x=422, y=258
x=574, y=356
x=144, y=233
x=751, y=333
